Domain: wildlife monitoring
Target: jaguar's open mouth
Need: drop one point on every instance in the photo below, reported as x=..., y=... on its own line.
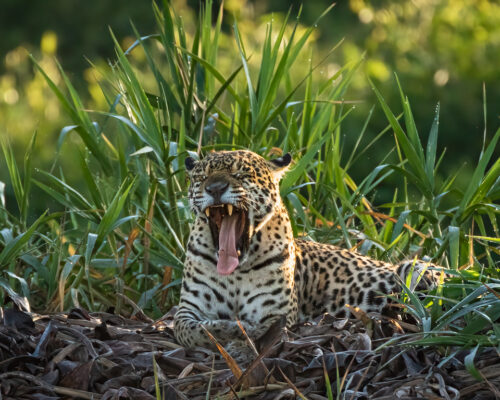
x=229, y=227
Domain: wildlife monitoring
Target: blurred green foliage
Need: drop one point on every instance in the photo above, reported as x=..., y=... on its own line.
x=443, y=51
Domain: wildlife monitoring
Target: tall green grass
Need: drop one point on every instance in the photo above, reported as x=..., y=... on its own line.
x=125, y=224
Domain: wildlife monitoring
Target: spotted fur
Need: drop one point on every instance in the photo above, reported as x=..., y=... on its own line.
x=277, y=275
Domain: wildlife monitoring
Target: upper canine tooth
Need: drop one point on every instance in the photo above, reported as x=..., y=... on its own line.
x=230, y=209
x=207, y=211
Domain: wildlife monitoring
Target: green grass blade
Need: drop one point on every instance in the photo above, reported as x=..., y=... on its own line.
x=15, y=177
x=414, y=159
x=80, y=201
x=84, y=126
x=482, y=321
x=65, y=201
x=491, y=178
x=14, y=247
x=430, y=160
x=254, y=109
x=92, y=186
x=304, y=163
x=89, y=250
x=398, y=227
x=170, y=97
x=27, y=180
x=276, y=77
x=417, y=307
x=451, y=314
x=410, y=123
x=475, y=183
x=65, y=273
x=469, y=364
x=136, y=95
x=191, y=77
x=113, y=211
x=59, y=94
x=22, y=282
x=454, y=240
x=217, y=74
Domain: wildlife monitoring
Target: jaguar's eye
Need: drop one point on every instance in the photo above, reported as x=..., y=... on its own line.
x=199, y=178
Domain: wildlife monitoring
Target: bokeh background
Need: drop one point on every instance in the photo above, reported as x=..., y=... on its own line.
x=442, y=50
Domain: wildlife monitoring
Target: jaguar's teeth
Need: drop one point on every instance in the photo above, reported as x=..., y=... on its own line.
x=207, y=211
x=230, y=209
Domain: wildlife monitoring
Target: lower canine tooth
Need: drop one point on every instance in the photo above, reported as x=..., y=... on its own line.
x=207, y=211
x=230, y=209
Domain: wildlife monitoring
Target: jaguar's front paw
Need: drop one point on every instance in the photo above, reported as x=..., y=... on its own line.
x=240, y=351
x=272, y=328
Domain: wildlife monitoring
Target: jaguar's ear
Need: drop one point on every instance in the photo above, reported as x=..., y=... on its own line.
x=280, y=165
x=283, y=161
x=190, y=163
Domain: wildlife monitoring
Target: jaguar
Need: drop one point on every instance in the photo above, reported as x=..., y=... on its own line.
x=244, y=264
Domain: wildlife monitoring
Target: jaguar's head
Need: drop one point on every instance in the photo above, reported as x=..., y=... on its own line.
x=236, y=193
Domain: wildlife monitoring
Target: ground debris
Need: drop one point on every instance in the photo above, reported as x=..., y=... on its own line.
x=86, y=355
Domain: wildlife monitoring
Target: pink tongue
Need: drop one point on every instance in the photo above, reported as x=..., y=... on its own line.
x=228, y=257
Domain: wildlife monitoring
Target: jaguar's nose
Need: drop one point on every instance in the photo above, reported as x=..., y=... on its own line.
x=216, y=189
